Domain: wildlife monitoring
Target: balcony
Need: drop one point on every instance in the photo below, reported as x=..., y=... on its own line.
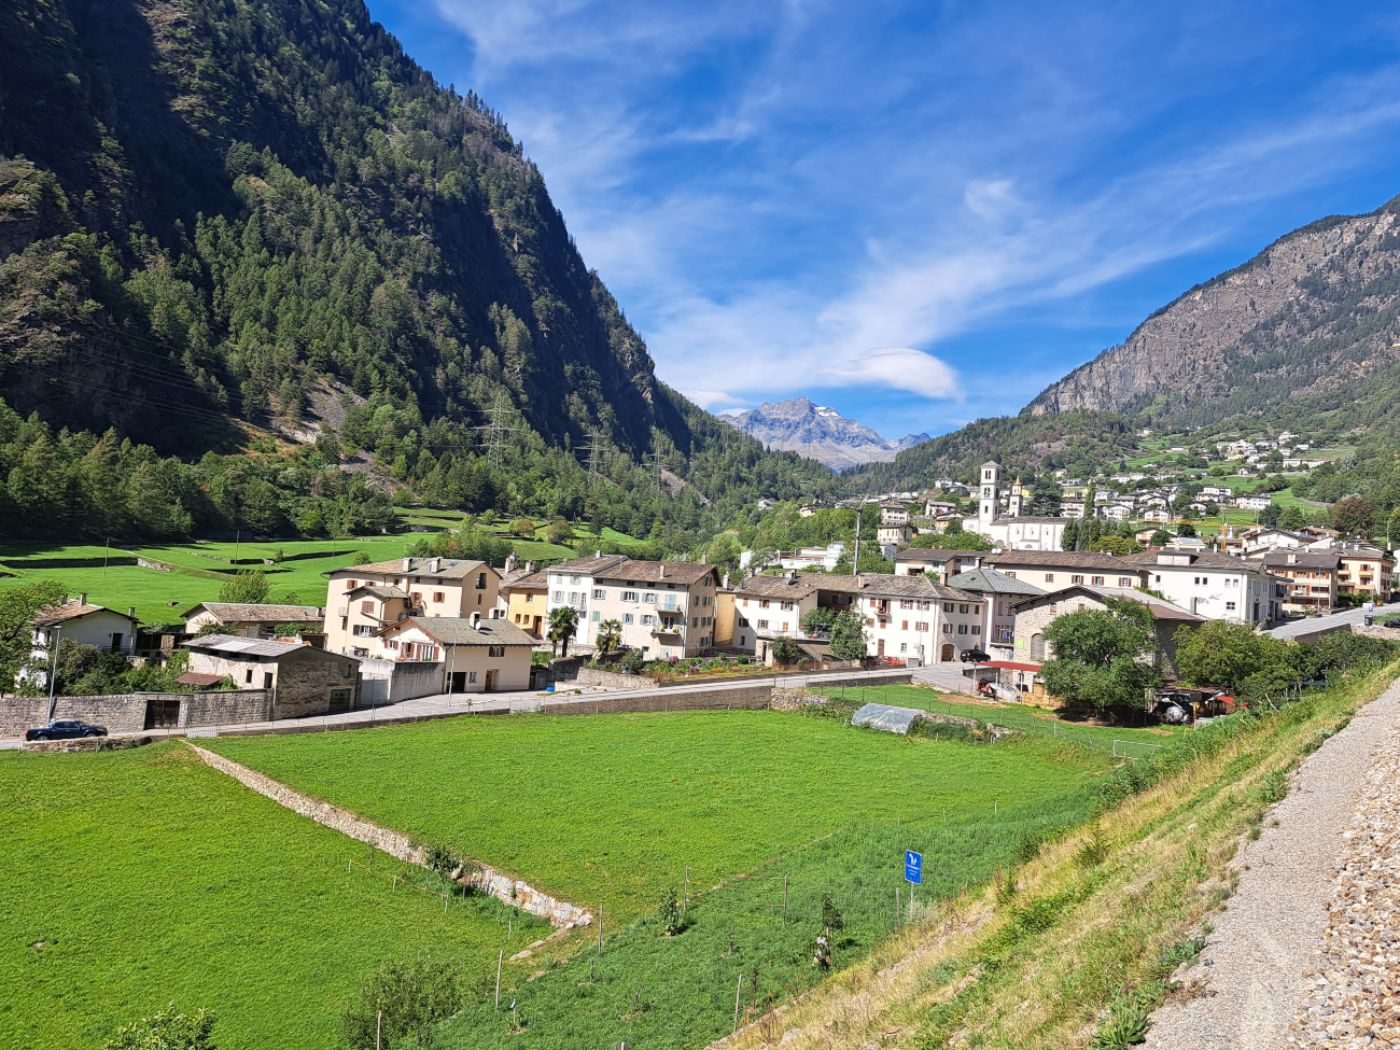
x=671, y=609
x=670, y=630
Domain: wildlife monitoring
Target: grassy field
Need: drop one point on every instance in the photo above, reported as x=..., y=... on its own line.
x=1117, y=740
x=1075, y=948
x=612, y=810
x=139, y=878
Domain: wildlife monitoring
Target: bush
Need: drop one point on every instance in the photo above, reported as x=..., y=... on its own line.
x=247, y=586
x=167, y=1030
x=786, y=651
x=670, y=913
x=633, y=661
x=405, y=998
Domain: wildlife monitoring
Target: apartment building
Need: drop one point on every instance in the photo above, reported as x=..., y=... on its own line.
x=477, y=655
x=1366, y=572
x=1000, y=594
x=361, y=600
x=1216, y=586
x=1312, y=578
x=910, y=618
x=666, y=609
x=1052, y=570
x=915, y=561
x=526, y=595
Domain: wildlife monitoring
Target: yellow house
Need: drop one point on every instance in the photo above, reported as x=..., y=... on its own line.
x=527, y=601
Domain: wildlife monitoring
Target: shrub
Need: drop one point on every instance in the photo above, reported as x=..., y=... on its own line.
x=167, y=1030
x=633, y=661
x=786, y=651
x=671, y=918
x=247, y=585
x=404, y=998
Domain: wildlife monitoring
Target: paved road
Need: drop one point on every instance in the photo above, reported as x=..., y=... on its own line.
x=1310, y=625
x=445, y=706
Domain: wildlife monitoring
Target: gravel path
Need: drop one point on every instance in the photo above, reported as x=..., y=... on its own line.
x=1350, y=994
x=1272, y=931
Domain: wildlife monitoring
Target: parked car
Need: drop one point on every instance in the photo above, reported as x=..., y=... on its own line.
x=64, y=729
x=974, y=656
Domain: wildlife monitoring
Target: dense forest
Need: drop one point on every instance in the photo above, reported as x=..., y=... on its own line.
x=254, y=248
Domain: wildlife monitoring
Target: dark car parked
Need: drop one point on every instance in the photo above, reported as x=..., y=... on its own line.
x=974, y=656
x=64, y=729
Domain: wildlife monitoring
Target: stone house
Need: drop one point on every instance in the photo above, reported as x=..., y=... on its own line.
x=306, y=680
x=248, y=619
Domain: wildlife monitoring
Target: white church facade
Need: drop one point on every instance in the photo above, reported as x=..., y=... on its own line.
x=1014, y=531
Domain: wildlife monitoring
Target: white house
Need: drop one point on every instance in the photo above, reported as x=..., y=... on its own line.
x=74, y=620
x=1216, y=586
x=477, y=656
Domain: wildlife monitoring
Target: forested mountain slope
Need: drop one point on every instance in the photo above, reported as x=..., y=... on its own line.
x=226, y=217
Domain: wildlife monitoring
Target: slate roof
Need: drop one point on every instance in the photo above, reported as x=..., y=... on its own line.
x=379, y=590
x=936, y=557
x=459, y=630
x=989, y=581
x=1063, y=560
x=447, y=569
x=73, y=610
x=1197, y=560
x=1283, y=559
x=874, y=584
x=1160, y=608
x=237, y=647
x=249, y=612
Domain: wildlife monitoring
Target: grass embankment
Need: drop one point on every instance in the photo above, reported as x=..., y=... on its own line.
x=134, y=879
x=1075, y=947
x=611, y=809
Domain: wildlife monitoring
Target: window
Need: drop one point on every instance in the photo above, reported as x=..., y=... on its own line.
x=649, y=598
x=598, y=592
x=1097, y=581
x=763, y=625
x=481, y=581
x=976, y=629
x=267, y=679
x=922, y=625
x=496, y=651
x=597, y=615
x=367, y=607
x=1012, y=575
x=947, y=606
x=903, y=647
x=962, y=608
x=648, y=619
x=962, y=628
x=904, y=625
x=629, y=596
x=1049, y=577
x=349, y=585
x=1076, y=579
x=559, y=596
x=1125, y=581
x=627, y=618
x=471, y=676
x=1229, y=606
x=438, y=596
x=1230, y=581
x=416, y=597
x=763, y=604
x=947, y=628
x=248, y=676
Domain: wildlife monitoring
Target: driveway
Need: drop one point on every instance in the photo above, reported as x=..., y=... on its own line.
x=1295, y=630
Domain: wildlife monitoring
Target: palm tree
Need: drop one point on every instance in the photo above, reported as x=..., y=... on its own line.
x=609, y=637
x=563, y=625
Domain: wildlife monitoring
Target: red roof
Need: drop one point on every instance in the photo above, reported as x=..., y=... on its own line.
x=1010, y=665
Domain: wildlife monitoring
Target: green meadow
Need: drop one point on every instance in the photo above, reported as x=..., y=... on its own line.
x=136, y=879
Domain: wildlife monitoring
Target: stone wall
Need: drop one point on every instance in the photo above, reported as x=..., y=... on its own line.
x=507, y=888
x=599, y=678
x=754, y=697
x=91, y=743
x=1389, y=634
x=126, y=713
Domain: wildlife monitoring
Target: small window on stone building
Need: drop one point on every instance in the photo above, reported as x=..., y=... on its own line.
x=267, y=679
x=248, y=677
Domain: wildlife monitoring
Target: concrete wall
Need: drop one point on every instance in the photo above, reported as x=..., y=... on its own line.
x=126, y=713
x=390, y=681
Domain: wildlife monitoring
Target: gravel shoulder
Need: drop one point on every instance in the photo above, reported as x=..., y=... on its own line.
x=1256, y=974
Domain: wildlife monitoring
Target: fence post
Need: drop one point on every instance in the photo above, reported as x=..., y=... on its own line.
x=738, y=991
x=500, y=959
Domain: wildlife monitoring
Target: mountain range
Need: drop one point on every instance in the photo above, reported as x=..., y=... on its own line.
x=818, y=432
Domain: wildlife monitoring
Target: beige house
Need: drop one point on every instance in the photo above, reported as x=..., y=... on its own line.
x=1366, y=572
x=1052, y=570
x=253, y=621
x=665, y=609
x=477, y=656
x=361, y=600
x=307, y=680
x=916, y=561
x=1312, y=578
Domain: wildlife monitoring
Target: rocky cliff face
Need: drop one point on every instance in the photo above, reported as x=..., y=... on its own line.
x=1313, y=312
x=819, y=433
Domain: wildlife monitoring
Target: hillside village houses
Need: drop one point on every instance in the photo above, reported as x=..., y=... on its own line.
x=910, y=618
x=362, y=600
x=476, y=655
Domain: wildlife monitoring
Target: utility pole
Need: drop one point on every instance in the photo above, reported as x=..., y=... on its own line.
x=855, y=556
x=495, y=429
x=654, y=465
x=592, y=448
x=53, y=672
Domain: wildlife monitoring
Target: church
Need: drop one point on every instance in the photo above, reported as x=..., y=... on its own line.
x=1015, y=531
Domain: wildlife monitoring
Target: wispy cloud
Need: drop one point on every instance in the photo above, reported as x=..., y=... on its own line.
x=815, y=197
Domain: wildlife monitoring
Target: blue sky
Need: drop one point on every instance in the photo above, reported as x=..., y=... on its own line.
x=921, y=213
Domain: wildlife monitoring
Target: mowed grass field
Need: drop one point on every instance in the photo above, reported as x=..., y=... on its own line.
x=762, y=807
x=135, y=879
x=296, y=568
x=610, y=809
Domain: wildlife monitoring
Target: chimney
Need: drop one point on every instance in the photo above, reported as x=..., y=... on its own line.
x=1292, y=558
x=598, y=553
x=792, y=576
x=435, y=565
x=82, y=598
x=529, y=566
x=662, y=571
x=131, y=611
x=476, y=619
x=407, y=563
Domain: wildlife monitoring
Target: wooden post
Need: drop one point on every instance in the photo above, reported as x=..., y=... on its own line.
x=501, y=958
x=685, y=894
x=896, y=905
x=347, y=867
x=785, y=895
x=378, y=1027
x=600, y=929
x=738, y=991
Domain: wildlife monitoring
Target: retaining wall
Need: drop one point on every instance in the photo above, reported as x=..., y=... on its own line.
x=126, y=712
x=498, y=884
x=745, y=697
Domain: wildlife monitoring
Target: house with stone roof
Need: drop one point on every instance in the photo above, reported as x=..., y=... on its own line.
x=476, y=655
x=76, y=620
x=247, y=618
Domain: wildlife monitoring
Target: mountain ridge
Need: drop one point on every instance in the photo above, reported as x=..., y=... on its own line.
x=818, y=432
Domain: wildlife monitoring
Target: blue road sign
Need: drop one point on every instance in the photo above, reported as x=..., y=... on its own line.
x=913, y=867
